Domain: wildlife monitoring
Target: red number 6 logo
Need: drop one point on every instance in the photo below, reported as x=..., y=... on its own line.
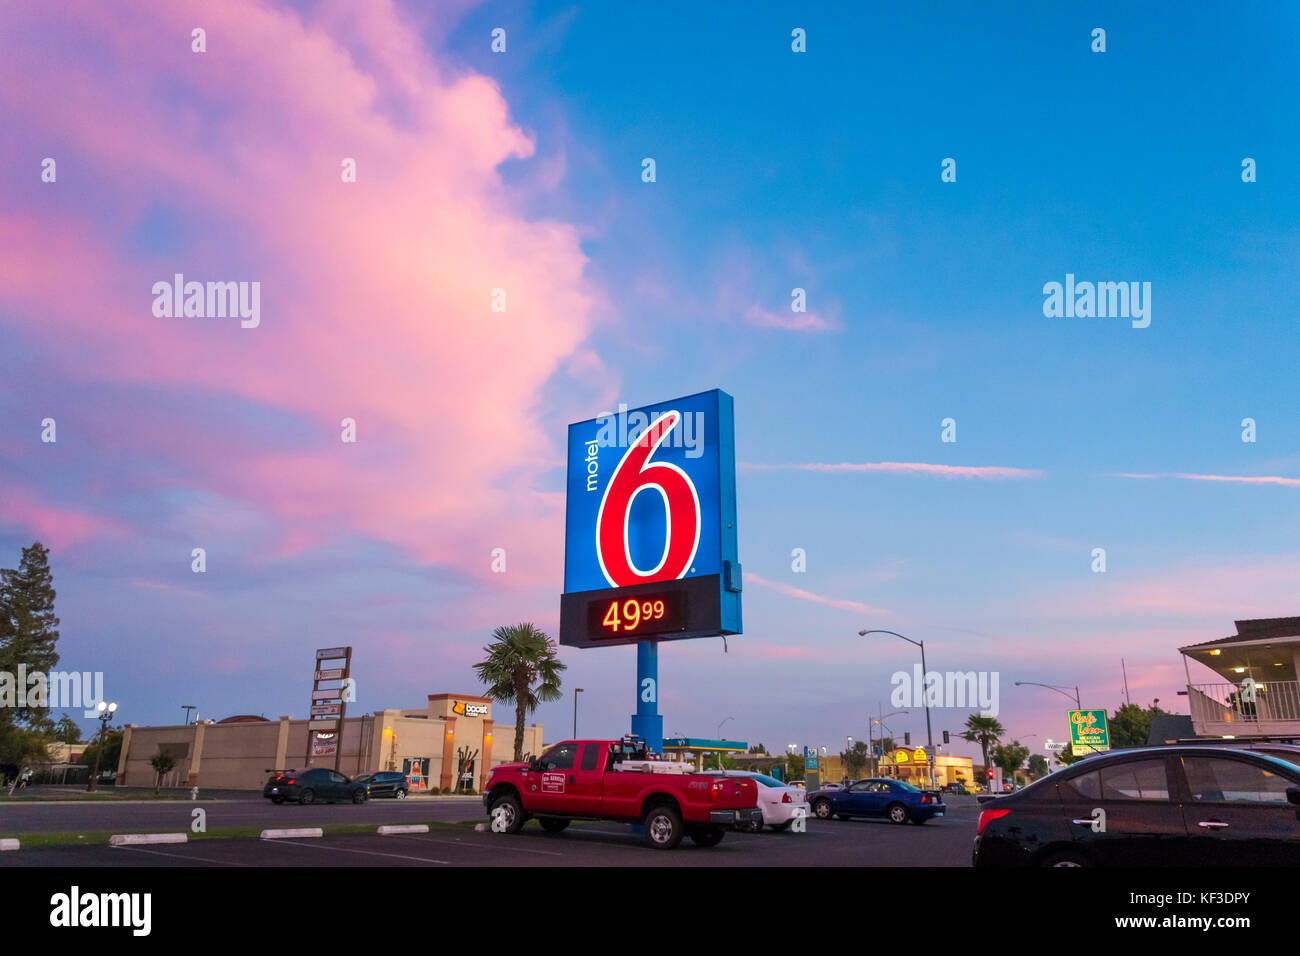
x=634, y=474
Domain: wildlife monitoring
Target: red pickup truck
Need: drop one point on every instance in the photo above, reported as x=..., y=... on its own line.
x=615, y=780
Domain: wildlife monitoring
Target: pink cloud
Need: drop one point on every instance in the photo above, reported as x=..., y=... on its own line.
x=789, y=321
x=53, y=525
x=1244, y=479
x=992, y=472
x=800, y=593
x=375, y=295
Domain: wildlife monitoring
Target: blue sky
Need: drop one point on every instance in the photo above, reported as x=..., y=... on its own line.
x=776, y=170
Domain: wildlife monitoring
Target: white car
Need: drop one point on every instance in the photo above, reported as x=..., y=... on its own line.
x=781, y=803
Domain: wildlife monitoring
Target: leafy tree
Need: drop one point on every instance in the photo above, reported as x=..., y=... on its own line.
x=111, y=744
x=521, y=666
x=984, y=731
x=855, y=759
x=162, y=764
x=1038, y=765
x=67, y=731
x=1130, y=725
x=29, y=629
x=1068, y=756
x=1009, y=757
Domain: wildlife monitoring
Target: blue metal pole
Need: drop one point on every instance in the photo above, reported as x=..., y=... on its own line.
x=647, y=722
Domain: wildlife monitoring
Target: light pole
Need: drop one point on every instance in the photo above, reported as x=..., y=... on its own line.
x=105, y=712
x=881, y=721
x=1063, y=691
x=576, y=692
x=1060, y=690
x=929, y=735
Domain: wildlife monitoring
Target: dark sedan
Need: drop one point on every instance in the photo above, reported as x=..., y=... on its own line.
x=314, y=785
x=1151, y=806
x=386, y=783
x=895, y=800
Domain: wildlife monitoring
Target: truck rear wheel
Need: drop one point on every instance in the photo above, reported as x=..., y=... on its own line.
x=663, y=827
x=507, y=814
x=707, y=836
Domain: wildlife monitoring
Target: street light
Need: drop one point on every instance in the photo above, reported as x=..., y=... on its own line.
x=576, y=692
x=105, y=712
x=881, y=721
x=1065, y=691
x=929, y=736
x=720, y=723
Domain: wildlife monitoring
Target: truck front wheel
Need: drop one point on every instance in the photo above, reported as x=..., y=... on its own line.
x=663, y=827
x=707, y=836
x=507, y=814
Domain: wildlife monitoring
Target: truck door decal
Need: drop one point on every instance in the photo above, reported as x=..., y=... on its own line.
x=552, y=783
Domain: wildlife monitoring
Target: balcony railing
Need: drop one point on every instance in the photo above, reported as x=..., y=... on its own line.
x=1228, y=708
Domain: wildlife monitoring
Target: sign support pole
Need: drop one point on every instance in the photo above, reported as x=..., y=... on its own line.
x=647, y=722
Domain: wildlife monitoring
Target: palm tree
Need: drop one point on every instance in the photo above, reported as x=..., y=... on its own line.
x=521, y=657
x=984, y=731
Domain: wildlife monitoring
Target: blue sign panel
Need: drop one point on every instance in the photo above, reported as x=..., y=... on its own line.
x=650, y=526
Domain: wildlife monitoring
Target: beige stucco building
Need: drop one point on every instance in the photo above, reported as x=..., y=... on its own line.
x=437, y=746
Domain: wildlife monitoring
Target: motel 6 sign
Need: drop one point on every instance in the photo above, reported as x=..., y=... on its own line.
x=650, y=525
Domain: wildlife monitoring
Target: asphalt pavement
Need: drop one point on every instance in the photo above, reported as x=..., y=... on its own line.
x=941, y=842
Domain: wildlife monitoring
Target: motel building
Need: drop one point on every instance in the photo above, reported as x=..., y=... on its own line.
x=1244, y=685
x=451, y=743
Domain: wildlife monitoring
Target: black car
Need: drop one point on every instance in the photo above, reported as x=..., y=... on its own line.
x=314, y=785
x=385, y=783
x=1151, y=806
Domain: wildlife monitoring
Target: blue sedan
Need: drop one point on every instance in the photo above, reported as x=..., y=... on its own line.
x=895, y=800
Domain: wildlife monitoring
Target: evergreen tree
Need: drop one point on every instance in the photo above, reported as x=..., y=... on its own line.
x=29, y=631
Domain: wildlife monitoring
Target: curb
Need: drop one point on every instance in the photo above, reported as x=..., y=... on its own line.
x=404, y=828
x=8, y=844
x=292, y=833
x=135, y=839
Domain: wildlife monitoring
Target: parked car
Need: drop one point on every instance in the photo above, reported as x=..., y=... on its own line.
x=618, y=780
x=1185, y=805
x=954, y=788
x=386, y=783
x=896, y=800
x=314, y=784
x=781, y=803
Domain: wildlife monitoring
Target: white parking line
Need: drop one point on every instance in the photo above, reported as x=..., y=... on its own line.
x=182, y=856
x=479, y=846
x=347, y=849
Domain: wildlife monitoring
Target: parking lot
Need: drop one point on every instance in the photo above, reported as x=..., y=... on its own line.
x=943, y=842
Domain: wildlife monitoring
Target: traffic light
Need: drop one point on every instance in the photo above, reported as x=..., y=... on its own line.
x=989, y=771
x=945, y=736
x=907, y=738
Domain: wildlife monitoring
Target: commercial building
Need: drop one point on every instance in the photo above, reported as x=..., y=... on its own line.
x=451, y=743
x=1255, y=693
x=907, y=764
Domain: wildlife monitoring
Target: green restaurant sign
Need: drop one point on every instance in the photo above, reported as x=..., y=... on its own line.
x=1088, y=732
